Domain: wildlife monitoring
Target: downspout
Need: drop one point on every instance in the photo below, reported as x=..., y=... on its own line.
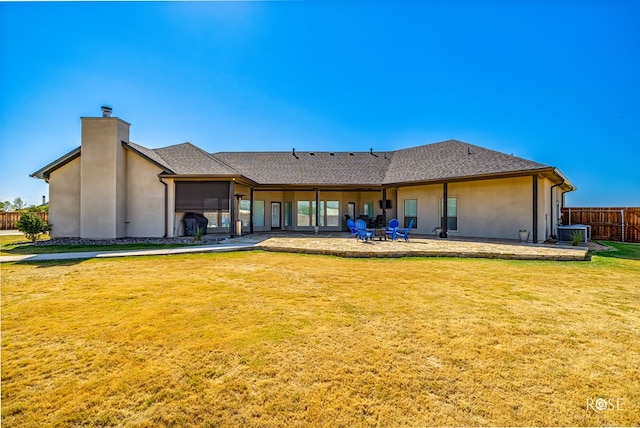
x=553, y=235
x=166, y=207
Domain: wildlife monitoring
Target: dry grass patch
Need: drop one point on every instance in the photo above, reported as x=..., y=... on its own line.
x=272, y=339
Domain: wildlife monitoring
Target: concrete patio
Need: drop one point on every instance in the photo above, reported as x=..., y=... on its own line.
x=343, y=245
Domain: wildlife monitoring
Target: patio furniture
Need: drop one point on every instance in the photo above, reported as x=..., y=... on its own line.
x=365, y=218
x=391, y=229
x=352, y=227
x=378, y=223
x=380, y=233
x=362, y=232
x=403, y=232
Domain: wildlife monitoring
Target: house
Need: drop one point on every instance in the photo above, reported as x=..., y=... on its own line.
x=110, y=187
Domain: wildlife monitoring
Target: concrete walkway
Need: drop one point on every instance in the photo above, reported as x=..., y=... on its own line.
x=340, y=244
x=126, y=253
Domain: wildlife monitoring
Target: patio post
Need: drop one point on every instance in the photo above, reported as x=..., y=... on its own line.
x=232, y=203
x=317, y=226
x=251, y=211
x=384, y=205
x=445, y=214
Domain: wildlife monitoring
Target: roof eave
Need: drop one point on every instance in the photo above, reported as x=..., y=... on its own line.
x=487, y=176
x=45, y=172
x=215, y=177
x=323, y=186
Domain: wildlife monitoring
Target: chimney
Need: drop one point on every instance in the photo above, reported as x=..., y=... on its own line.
x=103, y=176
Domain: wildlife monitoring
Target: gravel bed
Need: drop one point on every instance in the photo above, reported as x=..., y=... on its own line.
x=205, y=240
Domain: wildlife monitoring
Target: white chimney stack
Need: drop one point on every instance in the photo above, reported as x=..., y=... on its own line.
x=106, y=111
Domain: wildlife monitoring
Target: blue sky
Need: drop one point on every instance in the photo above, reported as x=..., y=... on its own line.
x=556, y=82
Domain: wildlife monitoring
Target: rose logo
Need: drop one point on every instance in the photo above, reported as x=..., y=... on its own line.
x=601, y=404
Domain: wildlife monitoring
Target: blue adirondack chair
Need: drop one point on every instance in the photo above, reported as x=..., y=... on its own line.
x=403, y=232
x=352, y=228
x=361, y=228
x=391, y=229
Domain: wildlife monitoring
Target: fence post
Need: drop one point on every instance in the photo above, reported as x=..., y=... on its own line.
x=569, y=216
x=622, y=213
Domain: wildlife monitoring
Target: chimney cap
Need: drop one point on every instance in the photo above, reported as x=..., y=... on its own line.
x=106, y=111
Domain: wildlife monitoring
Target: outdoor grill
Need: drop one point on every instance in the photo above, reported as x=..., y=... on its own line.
x=193, y=221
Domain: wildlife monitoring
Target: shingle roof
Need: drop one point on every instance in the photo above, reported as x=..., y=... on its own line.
x=150, y=154
x=452, y=159
x=187, y=159
x=341, y=168
x=431, y=162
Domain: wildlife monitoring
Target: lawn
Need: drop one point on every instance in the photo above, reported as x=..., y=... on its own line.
x=273, y=339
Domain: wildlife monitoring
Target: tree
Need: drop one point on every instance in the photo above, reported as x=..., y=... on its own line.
x=37, y=208
x=32, y=225
x=18, y=203
x=5, y=206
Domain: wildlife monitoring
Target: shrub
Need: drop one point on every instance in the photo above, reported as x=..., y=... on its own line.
x=576, y=238
x=32, y=225
x=197, y=234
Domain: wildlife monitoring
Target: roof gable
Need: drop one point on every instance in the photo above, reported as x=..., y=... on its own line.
x=45, y=171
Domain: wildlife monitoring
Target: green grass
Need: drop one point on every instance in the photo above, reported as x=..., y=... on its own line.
x=273, y=339
x=621, y=250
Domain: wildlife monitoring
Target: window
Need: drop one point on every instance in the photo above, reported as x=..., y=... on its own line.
x=313, y=213
x=333, y=213
x=411, y=212
x=368, y=209
x=258, y=213
x=288, y=213
x=304, y=213
x=452, y=213
x=329, y=213
x=245, y=212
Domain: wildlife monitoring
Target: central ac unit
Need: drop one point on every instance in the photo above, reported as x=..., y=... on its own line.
x=565, y=233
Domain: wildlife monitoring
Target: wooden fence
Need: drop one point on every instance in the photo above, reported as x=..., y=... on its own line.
x=611, y=224
x=8, y=220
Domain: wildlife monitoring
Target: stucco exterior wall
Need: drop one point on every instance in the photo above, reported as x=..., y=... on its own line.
x=145, y=198
x=64, y=201
x=496, y=208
